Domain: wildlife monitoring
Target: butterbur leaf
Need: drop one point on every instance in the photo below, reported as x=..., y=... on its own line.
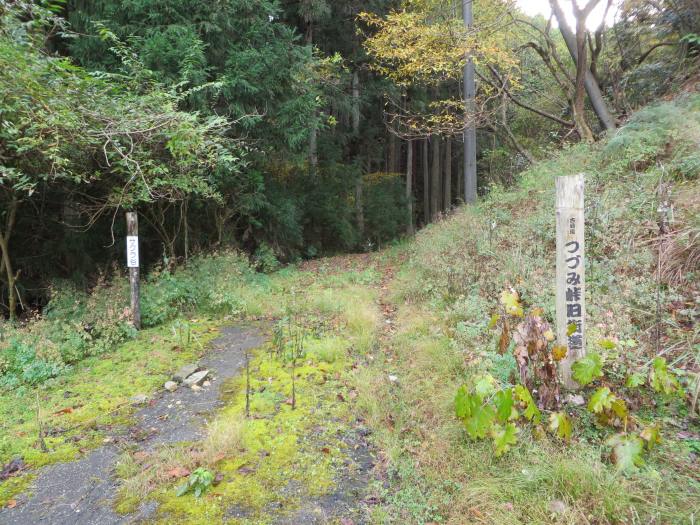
x=571, y=329
x=462, y=406
x=651, y=436
x=627, y=452
x=504, y=404
x=511, y=303
x=619, y=408
x=480, y=421
x=560, y=423
x=484, y=385
x=662, y=380
x=531, y=412
x=635, y=380
x=587, y=369
x=601, y=400
x=504, y=437
x=559, y=352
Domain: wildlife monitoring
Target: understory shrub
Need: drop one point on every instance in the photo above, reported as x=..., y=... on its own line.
x=77, y=325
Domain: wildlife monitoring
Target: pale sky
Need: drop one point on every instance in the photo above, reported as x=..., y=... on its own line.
x=534, y=7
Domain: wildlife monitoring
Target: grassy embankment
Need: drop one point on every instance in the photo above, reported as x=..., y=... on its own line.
x=448, y=290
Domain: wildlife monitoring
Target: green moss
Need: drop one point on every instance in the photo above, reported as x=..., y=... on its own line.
x=76, y=407
x=282, y=456
x=14, y=486
x=287, y=454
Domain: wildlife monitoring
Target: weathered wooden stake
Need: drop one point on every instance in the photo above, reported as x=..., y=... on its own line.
x=571, y=291
x=132, y=261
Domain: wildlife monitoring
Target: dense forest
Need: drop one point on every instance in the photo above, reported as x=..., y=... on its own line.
x=401, y=262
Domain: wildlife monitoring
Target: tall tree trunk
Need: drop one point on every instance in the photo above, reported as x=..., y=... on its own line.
x=469, y=109
x=409, y=187
x=355, y=103
x=573, y=44
x=313, y=132
x=393, y=154
x=447, y=188
x=435, y=182
x=359, y=210
x=426, y=183
x=7, y=261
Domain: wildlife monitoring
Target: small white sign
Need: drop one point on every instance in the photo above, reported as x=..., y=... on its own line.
x=132, y=251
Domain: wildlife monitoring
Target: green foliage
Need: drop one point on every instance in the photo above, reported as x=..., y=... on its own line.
x=198, y=483
x=209, y=285
x=503, y=438
x=265, y=259
x=560, y=423
x=601, y=400
x=661, y=378
x=531, y=412
x=588, y=368
x=627, y=452
x=504, y=405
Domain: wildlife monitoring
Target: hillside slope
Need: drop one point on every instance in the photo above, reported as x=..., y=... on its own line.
x=643, y=302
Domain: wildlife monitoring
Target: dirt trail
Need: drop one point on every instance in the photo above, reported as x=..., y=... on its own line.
x=82, y=492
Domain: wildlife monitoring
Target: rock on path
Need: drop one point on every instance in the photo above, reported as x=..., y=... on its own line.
x=81, y=492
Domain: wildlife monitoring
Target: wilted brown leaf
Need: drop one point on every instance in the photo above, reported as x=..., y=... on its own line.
x=178, y=472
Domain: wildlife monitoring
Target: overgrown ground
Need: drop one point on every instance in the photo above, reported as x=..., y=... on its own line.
x=387, y=340
x=451, y=286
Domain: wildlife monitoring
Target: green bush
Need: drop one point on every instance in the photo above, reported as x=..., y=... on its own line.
x=77, y=325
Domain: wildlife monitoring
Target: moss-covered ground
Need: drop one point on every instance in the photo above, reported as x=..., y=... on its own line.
x=75, y=410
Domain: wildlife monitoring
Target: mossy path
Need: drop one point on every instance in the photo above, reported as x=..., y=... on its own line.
x=274, y=461
x=83, y=491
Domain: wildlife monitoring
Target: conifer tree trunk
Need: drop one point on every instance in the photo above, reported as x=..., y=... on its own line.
x=470, y=183
x=435, y=180
x=355, y=103
x=393, y=155
x=409, y=186
x=447, y=188
x=313, y=132
x=426, y=183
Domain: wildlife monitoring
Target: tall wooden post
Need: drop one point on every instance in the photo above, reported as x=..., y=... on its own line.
x=571, y=290
x=132, y=261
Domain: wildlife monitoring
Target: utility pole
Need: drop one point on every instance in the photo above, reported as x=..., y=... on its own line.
x=470, y=128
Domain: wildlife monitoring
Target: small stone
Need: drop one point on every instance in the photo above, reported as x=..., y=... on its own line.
x=139, y=399
x=575, y=399
x=196, y=388
x=197, y=378
x=557, y=507
x=393, y=378
x=184, y=373
x=170, y=386
x=206, y=383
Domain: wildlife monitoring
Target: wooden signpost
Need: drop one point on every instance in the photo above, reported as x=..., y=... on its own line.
x=571, y=291
x=132, y=261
